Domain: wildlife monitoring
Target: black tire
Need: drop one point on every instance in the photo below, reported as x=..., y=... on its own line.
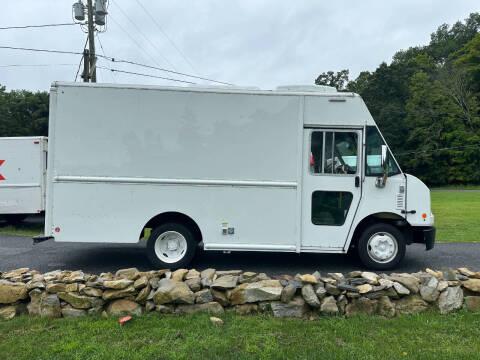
x=368, y=258
x=189, y=253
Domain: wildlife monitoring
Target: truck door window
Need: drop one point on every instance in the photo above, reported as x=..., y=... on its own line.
x=373, y=155
x=330, y=207
x=333, y=152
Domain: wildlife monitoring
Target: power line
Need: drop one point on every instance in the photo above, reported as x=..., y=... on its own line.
x=34, y=65
x=41, y=50
x=437, y=150
x=117, y=61
x=103, y=52
x=146, y=75
x=166, y=70
x=144, y=36
x=168, y=38
x=35, y=26
x=134, y=41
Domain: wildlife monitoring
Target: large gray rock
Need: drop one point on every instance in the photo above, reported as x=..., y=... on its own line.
x=111, y=294
x=75, y=277
x=179, y=275
x=472, y=303
x=400, y=289
x=203, y=296
x=411, y=305
x=8, y=312
x=129, y=273
x=407, y=280
x=246, y=309
x=192, y=274
x=195, y=284
x=294, y=309
x=55, y=288
x=472, y=285
x=329, y=306
x=124, y=307
x=79, y=301
x=72, y=312
x=44, y=304
x=385, y=307
x=90, y=291
x=210, y=307
x=265, y=290
x=429, y=291
x=225, y=282
x=171, y=291
x=220, y=297
x=309, y=296
x=450, y=300
x=208, y=274
x=361, y=305
x=288, y=293
x=117, y=284
x=332, y=289
x=11, y=292
x=142, y=296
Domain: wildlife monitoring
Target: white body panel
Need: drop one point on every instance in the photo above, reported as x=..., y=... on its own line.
x=234, y=156
x=22, y=175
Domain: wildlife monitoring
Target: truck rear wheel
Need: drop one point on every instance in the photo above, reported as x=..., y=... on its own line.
x=171, y=246
x=381, y=246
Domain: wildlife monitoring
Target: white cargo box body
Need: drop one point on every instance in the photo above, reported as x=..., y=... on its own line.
x=23, y=164
x=237, y=165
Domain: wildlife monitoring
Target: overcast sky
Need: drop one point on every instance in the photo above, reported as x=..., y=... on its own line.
x=261, y=43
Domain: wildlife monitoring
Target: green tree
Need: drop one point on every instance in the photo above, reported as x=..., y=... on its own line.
x=338, y=80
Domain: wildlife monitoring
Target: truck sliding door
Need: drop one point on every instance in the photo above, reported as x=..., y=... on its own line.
x=331, y=187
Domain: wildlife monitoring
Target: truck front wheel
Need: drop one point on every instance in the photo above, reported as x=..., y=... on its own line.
x=381, y=246
x=171, y=246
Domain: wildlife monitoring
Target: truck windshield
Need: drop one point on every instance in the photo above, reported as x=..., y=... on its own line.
x=374, y=144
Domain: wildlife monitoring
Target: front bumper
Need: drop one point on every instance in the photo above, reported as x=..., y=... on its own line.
x=425, y=235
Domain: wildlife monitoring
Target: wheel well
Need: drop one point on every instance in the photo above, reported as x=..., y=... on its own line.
x=176, y=217
x=384, y=217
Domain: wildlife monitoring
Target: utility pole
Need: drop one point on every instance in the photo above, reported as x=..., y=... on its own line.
x=86, y=65
x=91, y=42
x=94, y=22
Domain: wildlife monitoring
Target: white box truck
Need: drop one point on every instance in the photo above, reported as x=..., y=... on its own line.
x=23, y=165
x=297, y=169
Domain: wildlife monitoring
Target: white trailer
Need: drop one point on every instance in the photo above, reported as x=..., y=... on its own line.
x=297, y=169
x=23, y=162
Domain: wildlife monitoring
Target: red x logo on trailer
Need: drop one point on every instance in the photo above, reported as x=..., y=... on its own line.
x=1, y=176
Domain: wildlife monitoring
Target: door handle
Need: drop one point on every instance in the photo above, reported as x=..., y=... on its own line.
x=357, y=181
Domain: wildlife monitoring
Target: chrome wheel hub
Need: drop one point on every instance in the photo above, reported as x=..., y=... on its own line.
x=382, y=247
x=170, y=247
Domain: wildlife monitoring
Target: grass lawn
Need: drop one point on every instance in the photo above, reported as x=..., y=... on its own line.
x=457, y=216
x=423, y=336
x=21, y=229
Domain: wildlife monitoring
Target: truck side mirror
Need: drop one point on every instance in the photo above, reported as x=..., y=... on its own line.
x=382, y=181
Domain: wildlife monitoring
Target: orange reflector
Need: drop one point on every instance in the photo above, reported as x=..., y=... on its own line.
x=424, y=215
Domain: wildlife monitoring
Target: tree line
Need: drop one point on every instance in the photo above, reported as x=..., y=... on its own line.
x=427, y=103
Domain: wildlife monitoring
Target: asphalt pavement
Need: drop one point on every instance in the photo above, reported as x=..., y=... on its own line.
x=19, y=251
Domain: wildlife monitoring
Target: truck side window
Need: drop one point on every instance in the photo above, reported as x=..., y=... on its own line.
x=330, y=207
x=373, y=155
x=333, y=152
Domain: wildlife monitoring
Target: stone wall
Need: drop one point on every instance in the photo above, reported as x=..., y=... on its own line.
x=129, y=291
